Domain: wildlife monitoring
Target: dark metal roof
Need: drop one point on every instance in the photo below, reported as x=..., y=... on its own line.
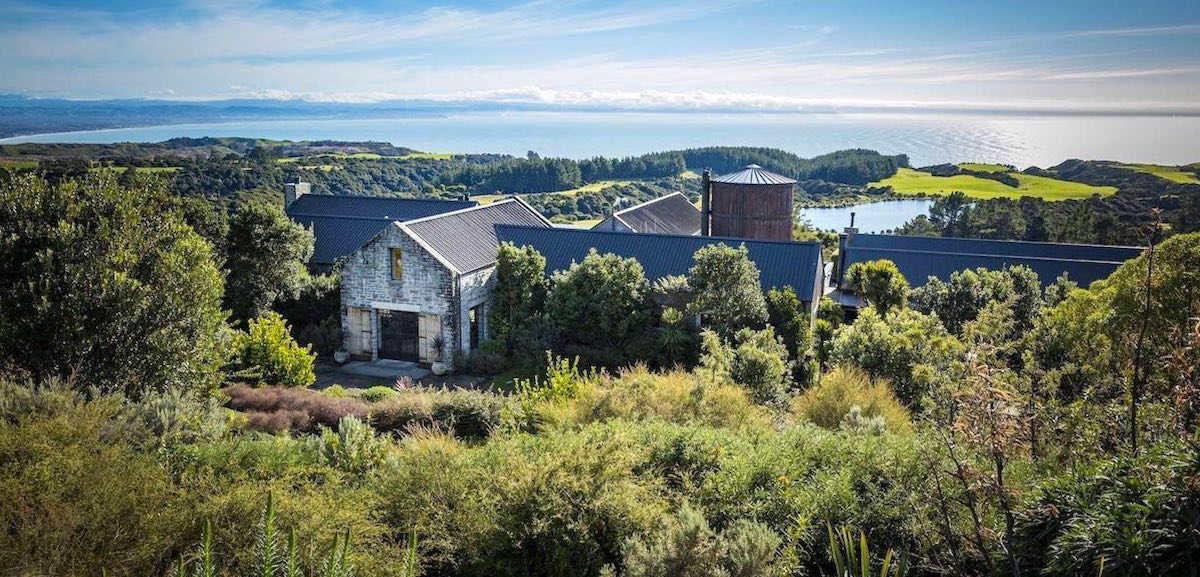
x=341, y=224
x=670, y=214
x=374, y=207
x=753, y=174
x=794, y=264
x=466, y=239
x=919, y=258
x=337, y=236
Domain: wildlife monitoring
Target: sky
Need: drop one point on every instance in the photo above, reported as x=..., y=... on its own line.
x=1094, y=55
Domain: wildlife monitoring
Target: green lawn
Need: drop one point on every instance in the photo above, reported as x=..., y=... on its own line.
x=913, y=182
x=978, y=167
x=591, y=187
x=1171, y=173
x=139, y=169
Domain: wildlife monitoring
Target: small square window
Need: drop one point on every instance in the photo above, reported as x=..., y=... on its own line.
x=397, y=263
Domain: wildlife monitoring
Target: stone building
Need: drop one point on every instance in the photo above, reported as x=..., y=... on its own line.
x=424, y=280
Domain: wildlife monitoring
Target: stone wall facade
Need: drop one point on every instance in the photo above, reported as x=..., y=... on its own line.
x=425, y=286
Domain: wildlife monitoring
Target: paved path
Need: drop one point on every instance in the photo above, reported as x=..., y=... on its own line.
x=366, y=374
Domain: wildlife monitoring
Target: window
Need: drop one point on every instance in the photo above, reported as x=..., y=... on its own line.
x=473, y=316
x=397, y=263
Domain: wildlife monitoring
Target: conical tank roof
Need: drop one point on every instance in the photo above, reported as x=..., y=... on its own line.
x=753, y=174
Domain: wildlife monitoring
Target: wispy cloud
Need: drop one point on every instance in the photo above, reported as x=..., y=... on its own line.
x=1123, y=73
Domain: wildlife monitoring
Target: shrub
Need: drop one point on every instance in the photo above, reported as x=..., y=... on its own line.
x=599, y=309
x=267, y=354
x=636, y=393
x=831, y=400
x=466, y=413
x=276, y=409
x=760, y=364
x=687, y=547
x=352, y=448
x=790, y=318
x=908, y=349
x=376, y=393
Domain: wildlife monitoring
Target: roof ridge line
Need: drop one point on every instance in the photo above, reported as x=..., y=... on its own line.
x=652, y=201
x=663, y=234
x=1002, y=241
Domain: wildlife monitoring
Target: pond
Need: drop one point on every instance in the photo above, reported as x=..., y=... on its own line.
x=869, y=217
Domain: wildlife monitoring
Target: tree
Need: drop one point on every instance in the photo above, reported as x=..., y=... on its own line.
x=108, y=285
x=959, y=301
x=520, y=291
x=880, y=283
x=267, y=256
x=726, y=291
x=920, y=225
x=949, y=213
x=909, y=349
x=788, y=315
x=600, y=309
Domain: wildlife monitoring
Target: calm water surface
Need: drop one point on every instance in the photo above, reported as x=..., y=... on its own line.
x=870, y=217
x=926, y=138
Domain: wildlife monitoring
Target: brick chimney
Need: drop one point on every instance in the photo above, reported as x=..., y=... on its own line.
x=293, y=190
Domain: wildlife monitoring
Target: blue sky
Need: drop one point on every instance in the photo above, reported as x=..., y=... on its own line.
x=767, y=54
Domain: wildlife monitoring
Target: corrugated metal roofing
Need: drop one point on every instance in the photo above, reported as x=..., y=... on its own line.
x=341, y=224
x=919, y=258
x=794, y=264
x=375, y=207
x=999, y=247
x=466, y=239
x=670, y=214
x=753, y=174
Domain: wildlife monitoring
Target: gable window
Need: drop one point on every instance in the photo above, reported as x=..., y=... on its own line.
x=397, y=263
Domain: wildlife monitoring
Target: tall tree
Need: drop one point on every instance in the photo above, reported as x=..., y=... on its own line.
x=949, y=213
x=793, y=324
x=520, y=291
x=600, y=309
x=106, y=284
x=726, y=291
x=267, y=256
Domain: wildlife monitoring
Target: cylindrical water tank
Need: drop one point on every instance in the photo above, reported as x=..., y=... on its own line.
x=751, y=203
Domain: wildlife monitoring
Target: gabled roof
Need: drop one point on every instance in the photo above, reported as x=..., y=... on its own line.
x=919, y=258
x=670, y=214
x=753, y=174
x=465, y=240
x=794, y=264
x=341, y=224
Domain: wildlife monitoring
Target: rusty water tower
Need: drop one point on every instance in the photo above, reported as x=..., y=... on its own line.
x=751, y=203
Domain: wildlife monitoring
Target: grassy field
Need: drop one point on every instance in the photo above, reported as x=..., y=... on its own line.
x=914, y=182
x=591, y=187
x=18, y=164
x=1171, y=173
x=978, y=167
x=369, y=156
x=139, y=169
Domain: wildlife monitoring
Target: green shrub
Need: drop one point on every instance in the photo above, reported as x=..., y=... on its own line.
x=352, y=448
x=687, y=547
x=268, y=355
x=829, y=402
x=467, y=414
x=336, y=392
x=376, y=393
x=760, y=364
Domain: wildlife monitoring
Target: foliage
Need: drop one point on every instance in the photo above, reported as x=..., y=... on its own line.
x=960, y=300
x=267, y=253
x=108, y=285
x=519, y=294
x=377, y=393
x=1133, y=516
x=725, y=289
x=677, y=341
x=831, y=312
x=880, y=283
x=688, y=547
x=352, y=448
x=610, y=296
x=908, y=349
x=790, y=318
x=760, y=364
x=844, y=389
x=268, y=355
x=852, y=558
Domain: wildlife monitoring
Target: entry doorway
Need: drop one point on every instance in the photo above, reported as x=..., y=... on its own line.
x=399, y=335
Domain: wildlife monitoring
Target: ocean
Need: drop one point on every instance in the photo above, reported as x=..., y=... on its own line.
x=1020, y=140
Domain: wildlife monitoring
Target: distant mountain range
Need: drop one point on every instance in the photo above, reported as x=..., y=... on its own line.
x=22, y=115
